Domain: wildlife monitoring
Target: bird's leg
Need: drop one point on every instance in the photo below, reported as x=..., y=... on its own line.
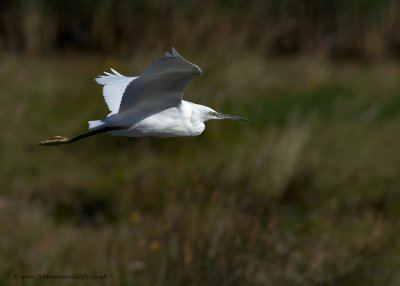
x=58, y=140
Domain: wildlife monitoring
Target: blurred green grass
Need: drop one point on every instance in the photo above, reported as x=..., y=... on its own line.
x=306, y=193
x=343, y=29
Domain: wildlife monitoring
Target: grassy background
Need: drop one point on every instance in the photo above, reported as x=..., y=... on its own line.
x=306, y=193
x=337, y=29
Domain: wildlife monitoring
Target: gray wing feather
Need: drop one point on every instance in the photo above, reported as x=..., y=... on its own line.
x=161, y=85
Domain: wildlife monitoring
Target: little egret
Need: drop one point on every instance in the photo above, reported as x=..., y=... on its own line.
x=150, y=104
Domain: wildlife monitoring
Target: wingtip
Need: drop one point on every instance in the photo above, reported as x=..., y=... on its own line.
x=104, y=78
x=175, y=52
x=116, y=73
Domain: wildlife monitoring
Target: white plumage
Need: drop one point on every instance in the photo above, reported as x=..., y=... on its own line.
x=114, y=85
x=150, y=104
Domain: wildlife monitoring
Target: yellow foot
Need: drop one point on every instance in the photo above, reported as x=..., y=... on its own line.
x=56, y=140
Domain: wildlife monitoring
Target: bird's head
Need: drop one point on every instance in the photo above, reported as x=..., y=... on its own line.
x=205, y=113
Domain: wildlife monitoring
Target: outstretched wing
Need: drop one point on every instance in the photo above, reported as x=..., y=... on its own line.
x=161, y=85
x=114, y=85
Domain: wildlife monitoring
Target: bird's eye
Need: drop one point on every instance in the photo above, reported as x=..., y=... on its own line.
x=210, y=113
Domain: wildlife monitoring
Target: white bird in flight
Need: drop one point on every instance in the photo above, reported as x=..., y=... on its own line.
x=150, y=104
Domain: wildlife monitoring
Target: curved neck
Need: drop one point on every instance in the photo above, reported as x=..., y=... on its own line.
x=195, y=119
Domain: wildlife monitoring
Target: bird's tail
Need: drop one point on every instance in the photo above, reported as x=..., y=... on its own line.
x=95, y=123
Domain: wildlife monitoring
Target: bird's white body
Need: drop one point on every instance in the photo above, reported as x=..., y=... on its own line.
x=150, y=104
x=182, y=120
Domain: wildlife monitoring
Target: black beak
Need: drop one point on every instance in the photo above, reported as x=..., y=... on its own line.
x=227, y=116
